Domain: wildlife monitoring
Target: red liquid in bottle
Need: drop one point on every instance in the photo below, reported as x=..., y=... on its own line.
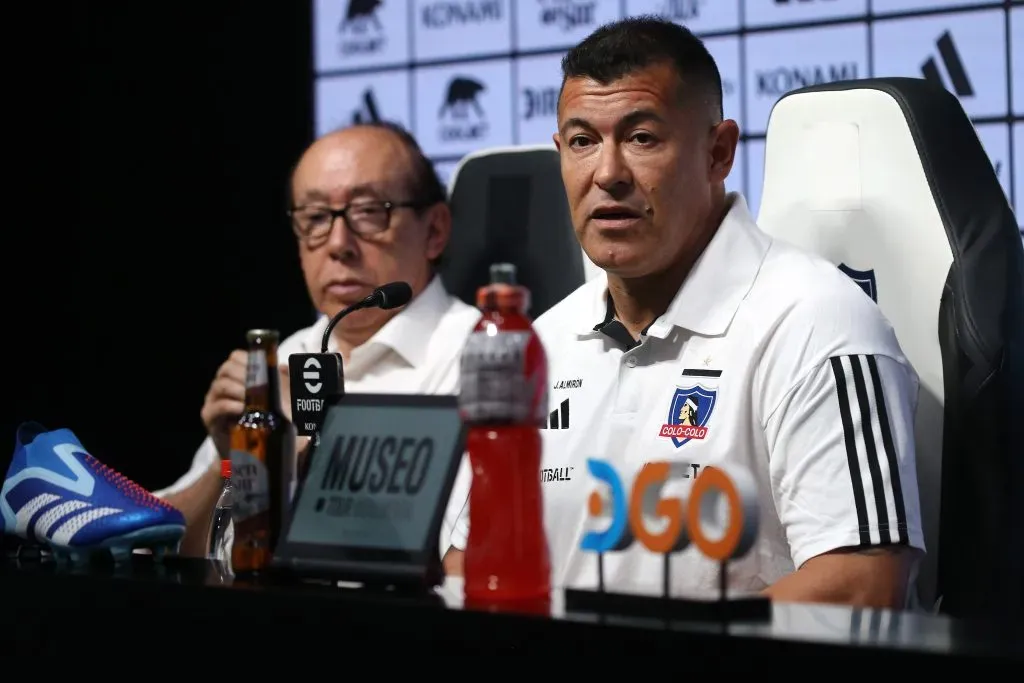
x=504, y=400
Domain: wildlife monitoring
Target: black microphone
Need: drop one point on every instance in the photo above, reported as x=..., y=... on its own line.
x=391, y=295
x=316, y=377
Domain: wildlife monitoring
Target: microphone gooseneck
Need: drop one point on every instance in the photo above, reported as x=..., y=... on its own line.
x=391, y=295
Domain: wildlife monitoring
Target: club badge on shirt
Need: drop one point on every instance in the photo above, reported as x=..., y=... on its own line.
x=688, y=414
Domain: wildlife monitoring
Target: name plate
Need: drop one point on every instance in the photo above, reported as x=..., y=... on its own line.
x=372, y=502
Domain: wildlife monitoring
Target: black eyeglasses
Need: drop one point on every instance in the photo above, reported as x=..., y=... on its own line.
x=366, y=219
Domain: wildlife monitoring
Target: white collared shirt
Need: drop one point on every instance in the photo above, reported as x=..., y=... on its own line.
x=788, y=366
x=415, y=352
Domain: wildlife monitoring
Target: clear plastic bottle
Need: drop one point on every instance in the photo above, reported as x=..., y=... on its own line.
x=222, y=526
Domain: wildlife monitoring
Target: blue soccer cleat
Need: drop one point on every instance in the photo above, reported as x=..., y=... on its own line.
x=58, y=495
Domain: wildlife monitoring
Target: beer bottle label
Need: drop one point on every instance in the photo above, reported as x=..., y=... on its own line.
x=251, y=484
x=256, y=369
x=495, y=383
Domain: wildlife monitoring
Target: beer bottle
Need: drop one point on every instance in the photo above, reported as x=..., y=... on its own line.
x=262, y=455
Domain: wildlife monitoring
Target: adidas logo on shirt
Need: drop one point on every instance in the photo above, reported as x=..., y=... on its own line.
x=559, y=418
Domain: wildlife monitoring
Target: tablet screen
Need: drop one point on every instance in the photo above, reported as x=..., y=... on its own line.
x=379, y=474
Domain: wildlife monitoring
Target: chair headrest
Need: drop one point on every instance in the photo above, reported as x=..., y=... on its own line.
x=509, y=205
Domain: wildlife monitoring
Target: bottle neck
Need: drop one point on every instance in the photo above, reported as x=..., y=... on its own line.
x=262, y=384
x=504, y=299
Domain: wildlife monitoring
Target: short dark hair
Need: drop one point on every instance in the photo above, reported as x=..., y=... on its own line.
x=626, y=46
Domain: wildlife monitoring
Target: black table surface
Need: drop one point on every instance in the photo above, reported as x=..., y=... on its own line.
x=145, y=606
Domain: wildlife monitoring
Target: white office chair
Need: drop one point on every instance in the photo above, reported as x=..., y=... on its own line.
x=887, y=179
x=508, y=204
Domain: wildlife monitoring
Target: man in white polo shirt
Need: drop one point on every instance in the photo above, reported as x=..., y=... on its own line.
x=778, y=362
x=368, y=209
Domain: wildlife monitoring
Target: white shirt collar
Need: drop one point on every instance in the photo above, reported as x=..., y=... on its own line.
x=718, y=282
x=407, y=333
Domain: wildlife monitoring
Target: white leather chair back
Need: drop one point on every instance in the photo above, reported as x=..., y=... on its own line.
x=888, y=180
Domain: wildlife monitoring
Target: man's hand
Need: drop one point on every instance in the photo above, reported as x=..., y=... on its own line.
x=453, y=562
x=225, y=401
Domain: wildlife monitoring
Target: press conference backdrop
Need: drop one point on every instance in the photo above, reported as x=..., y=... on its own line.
x=468, y=74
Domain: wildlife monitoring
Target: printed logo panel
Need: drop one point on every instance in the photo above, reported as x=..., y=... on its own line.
x=344, y=100
x=700, y=16
x=464, y=107
x=461, y=28
x=1017, y=45
x=995, y=138
x=538, y=79
x=962, y=52
x=780, y=62
x=883, y=7
x=356, y=34
x=755, y=174
x=445, y=171
x=546, y=24
x=783, y=12
x=726, y=52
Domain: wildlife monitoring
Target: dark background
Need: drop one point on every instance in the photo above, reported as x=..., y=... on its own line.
x=170, y=240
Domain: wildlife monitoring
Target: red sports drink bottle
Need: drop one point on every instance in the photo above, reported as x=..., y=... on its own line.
x=503, y=399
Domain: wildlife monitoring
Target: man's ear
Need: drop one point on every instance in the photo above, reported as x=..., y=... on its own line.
x=724, y=138
x=439, y=230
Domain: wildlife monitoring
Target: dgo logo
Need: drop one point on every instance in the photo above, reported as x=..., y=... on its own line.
x=696, y=518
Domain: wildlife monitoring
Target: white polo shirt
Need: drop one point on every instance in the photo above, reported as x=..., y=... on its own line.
x=792, y=370
x=416, y=352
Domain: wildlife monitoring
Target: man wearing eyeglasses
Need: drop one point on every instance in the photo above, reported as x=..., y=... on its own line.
x=367, y=209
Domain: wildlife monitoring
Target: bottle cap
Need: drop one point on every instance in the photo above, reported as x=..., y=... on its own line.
x=503, y=274
x=503, y=293
x=225, y=468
